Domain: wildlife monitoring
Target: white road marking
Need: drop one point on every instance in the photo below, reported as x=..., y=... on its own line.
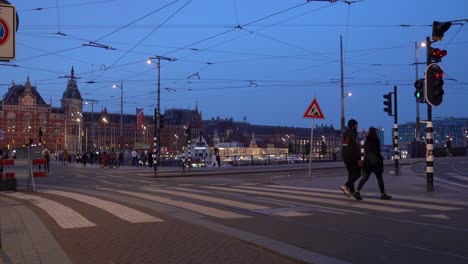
x=186, y=205
x=290, y=214
x=438, y=216
x=64, y=216
x=313, y=199
x=406, y=197
x=451, y=183
x=247, y=206
x=121, y=211
x=386, y=202
x=458, y=176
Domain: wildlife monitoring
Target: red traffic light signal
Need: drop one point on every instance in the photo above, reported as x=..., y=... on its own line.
x=436, y=54
x=434, y=89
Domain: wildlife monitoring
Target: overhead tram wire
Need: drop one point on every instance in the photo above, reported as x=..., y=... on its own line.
x=248, y=24
x=71, y=5
x=233, y=29
x=148, y=35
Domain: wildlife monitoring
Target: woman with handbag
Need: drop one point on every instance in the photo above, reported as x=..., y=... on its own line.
x=373, y=162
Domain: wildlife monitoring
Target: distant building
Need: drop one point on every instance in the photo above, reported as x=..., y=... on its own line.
x=25, y=115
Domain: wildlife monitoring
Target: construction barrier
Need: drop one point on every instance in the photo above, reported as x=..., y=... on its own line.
x=40, y=162
x=7, y=179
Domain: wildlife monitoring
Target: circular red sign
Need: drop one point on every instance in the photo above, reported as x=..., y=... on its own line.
x=4, y=32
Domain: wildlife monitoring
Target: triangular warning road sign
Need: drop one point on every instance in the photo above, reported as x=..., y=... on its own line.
x=314, y=111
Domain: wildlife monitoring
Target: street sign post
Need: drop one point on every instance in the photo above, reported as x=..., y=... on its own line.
x=7, y=32
x=313, y=111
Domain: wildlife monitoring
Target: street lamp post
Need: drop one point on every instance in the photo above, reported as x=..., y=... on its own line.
x=418, y=126
x=157, y=138
x=92, y=101
x=121, y=114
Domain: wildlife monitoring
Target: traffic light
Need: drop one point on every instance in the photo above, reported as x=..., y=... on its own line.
x=419, y=93
x=388, y=103
x=162, y=121
x=435, y=54
x=187, y=134
x=438, y=29
x=434, y=89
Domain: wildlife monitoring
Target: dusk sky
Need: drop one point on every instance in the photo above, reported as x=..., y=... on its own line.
x=255, y=59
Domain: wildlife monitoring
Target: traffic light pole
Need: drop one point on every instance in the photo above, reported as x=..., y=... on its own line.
x=395, y=132
x=429, y=136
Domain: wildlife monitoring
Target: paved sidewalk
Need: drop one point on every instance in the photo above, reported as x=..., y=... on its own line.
x=24, y=239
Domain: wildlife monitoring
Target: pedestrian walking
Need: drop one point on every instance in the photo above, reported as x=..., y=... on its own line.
x=134, y=155
x=373, y=162
x=215, y=160
x=449, y=148
x=46, y=156
x=351, y=157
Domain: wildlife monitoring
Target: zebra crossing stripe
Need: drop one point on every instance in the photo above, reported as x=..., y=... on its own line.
x=247, y=206
x=392, y=202
x=406, y=197
x=64, y=216
x=121, y=211
x=205, y=210
x=313, y=199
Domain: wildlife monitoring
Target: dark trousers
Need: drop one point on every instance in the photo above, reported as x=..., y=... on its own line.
x=354, y=172
x=366, y=172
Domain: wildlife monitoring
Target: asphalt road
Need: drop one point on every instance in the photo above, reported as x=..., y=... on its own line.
x=248, y=215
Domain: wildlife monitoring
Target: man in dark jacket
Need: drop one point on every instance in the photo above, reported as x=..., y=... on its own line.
x=351, y=157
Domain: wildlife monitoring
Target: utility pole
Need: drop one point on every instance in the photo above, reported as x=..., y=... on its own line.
x=157, y=115
x=342, y=87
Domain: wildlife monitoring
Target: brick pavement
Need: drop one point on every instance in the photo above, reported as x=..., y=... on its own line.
x=27, y=239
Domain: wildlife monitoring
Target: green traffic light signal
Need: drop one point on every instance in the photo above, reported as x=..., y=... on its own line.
x=419, y=93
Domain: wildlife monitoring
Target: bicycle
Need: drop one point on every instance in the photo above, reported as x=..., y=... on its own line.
x=103, y=163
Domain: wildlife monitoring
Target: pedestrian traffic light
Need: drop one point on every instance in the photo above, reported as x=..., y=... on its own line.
x=419, y=93
x=435, y=54
x=439, y=28
x=388, y=103
x=434, y=88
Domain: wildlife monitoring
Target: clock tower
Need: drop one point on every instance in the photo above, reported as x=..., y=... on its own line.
x=72, y=107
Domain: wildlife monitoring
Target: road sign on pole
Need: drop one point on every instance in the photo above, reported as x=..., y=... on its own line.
x=314, y=111
x=7, y=32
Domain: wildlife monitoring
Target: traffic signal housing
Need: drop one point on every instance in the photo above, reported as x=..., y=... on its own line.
x=434, y=87
x=435, y=54
x=388, y=103
x=439, y=28
x=187, y=134
x=162, y=121
x=419, y=93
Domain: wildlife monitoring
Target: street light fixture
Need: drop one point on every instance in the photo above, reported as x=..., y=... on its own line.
x=343, y=96
x=157, y=112
x=121, y=114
